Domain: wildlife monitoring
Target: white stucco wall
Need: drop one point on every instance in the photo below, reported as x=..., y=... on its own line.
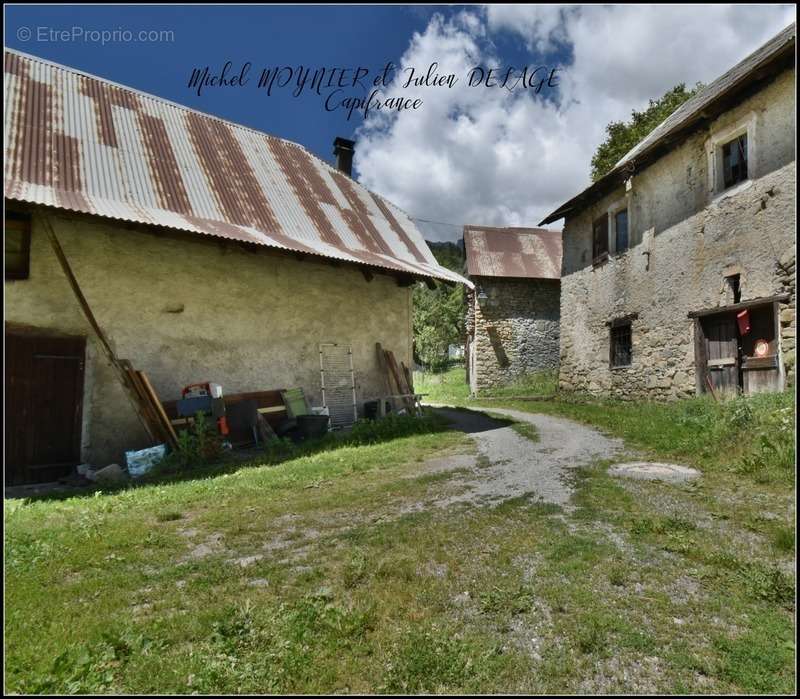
x=250, y=320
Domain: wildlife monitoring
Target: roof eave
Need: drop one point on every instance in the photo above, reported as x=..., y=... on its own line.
x=772, y=64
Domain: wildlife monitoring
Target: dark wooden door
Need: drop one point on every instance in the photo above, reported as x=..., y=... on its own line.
x=722, y=352
x=43, y=407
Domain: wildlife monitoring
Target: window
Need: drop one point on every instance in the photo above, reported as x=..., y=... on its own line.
x=17, y=237
x=734, y=161
x=621, y=346
x=621, y=229
x=735, y=284
x=600, y=239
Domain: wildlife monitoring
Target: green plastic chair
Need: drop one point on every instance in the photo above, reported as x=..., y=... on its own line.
x=296, y=404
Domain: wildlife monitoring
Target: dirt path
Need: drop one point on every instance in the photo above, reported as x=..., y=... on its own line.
x=513, y=465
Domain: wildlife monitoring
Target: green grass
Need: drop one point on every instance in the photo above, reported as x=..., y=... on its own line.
x=537, y=384
x=442, y=387
x=752, y=437
x=324, y=575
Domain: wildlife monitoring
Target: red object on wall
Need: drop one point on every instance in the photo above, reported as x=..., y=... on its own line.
x=743, y=319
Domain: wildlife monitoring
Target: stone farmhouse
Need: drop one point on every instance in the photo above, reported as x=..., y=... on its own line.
x=678, y=272
x=513, y=312
x=206, y=250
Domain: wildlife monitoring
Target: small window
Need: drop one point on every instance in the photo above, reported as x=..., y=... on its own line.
x=621, y=228
x=734, y=161
x=17, y=237
x=600, y=239
x=621, y=347
x=735, y=284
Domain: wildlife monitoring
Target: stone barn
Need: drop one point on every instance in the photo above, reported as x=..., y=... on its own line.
x=207, y=251
x=513, y=311
x=678, y=274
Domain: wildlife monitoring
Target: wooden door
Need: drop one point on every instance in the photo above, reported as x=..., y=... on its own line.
x=722, y=352
x=43, y=406
x=761, y=369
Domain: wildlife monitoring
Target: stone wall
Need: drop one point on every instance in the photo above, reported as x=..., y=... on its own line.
x=515, y=330
x=186, y=309
x=685, y=239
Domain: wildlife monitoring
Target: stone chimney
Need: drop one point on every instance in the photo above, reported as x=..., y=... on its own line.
x=344, y=149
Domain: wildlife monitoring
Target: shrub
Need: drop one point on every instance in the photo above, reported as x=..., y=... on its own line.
x=392, y=426
x=201, y=444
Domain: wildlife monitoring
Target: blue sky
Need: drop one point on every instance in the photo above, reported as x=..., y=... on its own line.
x=206, y=35
x=479, y=156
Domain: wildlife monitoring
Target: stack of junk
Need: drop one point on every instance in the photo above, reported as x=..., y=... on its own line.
x=245, y=420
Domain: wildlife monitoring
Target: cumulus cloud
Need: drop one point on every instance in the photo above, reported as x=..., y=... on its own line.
x=499, y=157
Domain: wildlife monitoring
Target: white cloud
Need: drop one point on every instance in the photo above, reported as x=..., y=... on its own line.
x=489, y=156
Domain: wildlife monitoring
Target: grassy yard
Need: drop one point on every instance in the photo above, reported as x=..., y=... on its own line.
x=442, y=386
x=333, y=572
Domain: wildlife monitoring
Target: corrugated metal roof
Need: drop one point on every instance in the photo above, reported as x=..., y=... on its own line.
x=81, y=143
x=694, y=111
x=532, y=253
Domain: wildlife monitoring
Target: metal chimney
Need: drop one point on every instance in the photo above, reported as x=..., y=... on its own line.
x=344, y=149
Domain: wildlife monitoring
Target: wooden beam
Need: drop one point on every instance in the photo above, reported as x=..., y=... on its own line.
x=76, y=289
x=404, y=280
x=762, y=301
x=128, y=384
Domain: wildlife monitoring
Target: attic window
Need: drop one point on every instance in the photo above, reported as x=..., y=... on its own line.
x=734, y=161
x=600, y=239
x=17, y=245
x=621, y=353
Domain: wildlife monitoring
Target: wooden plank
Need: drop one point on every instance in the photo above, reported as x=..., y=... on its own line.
x=148, y=415
x=762, y=301
x=722, y=361
x=391, y=385
x=410, y=385
x=400, y=380
x=156, y=403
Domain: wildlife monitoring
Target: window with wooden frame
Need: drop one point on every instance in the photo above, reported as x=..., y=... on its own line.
x=621, y=231
x=734, y=161
x=17, y=239
x=621, y=354
x=600, y=239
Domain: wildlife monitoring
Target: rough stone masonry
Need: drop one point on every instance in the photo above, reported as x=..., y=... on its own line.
x=515, y=330
x=687, y=241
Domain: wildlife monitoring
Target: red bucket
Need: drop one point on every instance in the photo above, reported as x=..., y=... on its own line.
x=743, y=319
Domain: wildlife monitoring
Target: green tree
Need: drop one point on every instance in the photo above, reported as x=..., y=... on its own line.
x=622, y=136
x=439, y=313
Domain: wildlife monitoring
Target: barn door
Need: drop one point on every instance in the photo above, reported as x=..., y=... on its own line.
x=43, y=406
x=722, y=352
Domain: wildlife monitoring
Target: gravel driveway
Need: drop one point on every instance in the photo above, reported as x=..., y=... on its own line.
x=513, y=465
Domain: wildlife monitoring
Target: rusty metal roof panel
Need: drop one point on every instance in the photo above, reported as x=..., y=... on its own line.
x=81, y=143
x=531, y=253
